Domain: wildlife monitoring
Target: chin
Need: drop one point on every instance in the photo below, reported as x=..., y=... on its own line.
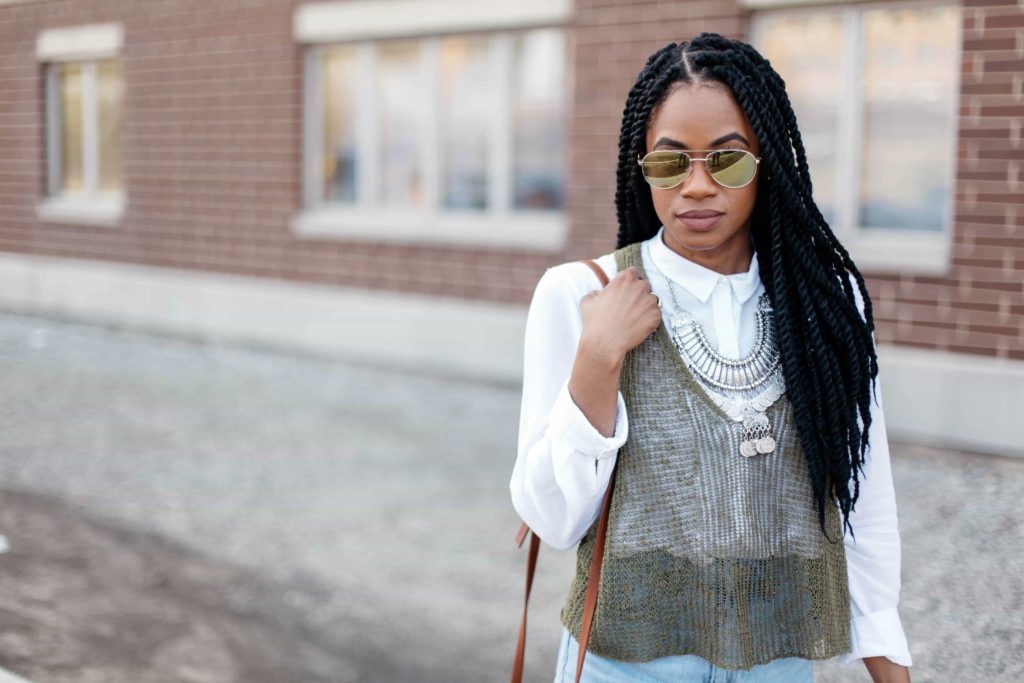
x=699, y=241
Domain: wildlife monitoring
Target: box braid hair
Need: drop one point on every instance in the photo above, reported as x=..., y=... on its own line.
x=826, y=347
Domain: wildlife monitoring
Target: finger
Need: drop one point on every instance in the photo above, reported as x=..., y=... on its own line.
x=631, y=273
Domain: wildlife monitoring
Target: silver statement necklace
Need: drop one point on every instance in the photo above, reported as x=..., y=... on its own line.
x=742, y=387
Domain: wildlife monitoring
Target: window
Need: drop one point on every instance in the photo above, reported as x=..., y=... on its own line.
x=875, y=90
x=84, y=103
x=452, y=138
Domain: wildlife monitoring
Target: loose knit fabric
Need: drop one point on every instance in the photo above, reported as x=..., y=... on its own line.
x=708, y=552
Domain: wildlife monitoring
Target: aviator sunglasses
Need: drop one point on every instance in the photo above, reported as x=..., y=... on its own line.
x=666, y=168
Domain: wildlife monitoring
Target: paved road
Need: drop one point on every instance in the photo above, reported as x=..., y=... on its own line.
x=375, y=504
x=88, y=601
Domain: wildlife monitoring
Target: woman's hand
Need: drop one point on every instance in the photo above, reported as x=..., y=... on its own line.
x=884, y=670
x=620, y=316
x=615, y=320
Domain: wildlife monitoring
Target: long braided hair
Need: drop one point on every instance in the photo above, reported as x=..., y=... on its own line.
x=826, y=347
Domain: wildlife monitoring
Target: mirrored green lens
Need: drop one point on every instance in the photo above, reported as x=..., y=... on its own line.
x=665, y=169
x=732, y=168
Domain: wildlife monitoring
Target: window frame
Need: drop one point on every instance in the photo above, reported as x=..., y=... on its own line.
x=877, y=249
x=499, y=224
x=85, y=46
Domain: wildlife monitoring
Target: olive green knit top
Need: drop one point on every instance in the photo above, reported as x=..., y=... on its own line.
x=708, y=552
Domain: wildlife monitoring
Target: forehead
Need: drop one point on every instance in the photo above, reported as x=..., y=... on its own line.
x=697, y=114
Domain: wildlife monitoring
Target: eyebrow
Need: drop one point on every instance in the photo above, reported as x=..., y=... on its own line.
x=714, y=143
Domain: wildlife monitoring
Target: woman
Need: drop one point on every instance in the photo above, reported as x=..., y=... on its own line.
x=728, y=372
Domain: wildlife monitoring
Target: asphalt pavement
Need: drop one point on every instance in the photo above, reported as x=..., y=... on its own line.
x=181, y=510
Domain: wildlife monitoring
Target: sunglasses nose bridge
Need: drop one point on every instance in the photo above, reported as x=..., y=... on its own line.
x=692, y=170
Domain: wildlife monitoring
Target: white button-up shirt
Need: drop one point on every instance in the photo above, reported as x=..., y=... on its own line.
x=564, y=464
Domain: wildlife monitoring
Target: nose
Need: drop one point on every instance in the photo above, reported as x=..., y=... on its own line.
x=699, y=183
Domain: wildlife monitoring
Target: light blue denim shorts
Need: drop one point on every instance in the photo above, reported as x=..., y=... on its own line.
x=675, y=669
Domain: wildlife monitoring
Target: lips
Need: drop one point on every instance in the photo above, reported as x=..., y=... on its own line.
x=702, y=213
x=702, y=220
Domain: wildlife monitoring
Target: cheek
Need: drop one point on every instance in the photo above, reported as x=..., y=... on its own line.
x=747, y=200
x=662, y=204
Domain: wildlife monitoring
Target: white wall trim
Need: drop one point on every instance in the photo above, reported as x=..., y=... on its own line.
x=320, y=22
x=952, y=400
x=90, y=41
x=946, y=399
x=451, y=336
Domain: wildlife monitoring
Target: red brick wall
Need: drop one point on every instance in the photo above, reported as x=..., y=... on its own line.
x=213, y=151
x=213, y=144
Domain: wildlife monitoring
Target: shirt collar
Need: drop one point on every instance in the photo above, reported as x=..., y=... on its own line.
x=697, y=279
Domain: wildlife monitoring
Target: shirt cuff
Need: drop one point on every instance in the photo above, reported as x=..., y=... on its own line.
x=878, y=634
x=569, y=424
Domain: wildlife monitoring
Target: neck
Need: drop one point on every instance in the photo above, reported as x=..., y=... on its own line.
x=730, y=257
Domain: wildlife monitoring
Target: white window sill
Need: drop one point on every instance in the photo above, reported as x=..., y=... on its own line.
x=900, y=252
x=544, y=231
x=82, y=210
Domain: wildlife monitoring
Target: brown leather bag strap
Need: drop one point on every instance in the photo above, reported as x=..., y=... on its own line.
x=598, y=270
x=531, y=564
x=593, y=579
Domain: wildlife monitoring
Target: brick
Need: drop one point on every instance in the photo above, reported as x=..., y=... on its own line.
x=1010, y=20
x=1012, y=64
x=988, y=3
x=987, y=42
x=1012, y=110
x=982, y=88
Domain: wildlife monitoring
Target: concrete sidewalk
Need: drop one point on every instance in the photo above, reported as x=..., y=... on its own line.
x=375, y=503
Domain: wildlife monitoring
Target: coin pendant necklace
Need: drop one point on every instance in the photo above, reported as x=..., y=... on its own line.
x=743, y=387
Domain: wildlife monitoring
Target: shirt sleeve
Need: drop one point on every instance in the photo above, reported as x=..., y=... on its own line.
x=873, y=553
x=563, y=463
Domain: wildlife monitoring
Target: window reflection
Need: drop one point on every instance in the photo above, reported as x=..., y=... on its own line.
x=110, y=95
x=811, y=68
x=538, y=101
x=401, y=97
x=394, y=110
x=467, y=98
x=909, y=72
x=339, y=151
x=70, y=94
